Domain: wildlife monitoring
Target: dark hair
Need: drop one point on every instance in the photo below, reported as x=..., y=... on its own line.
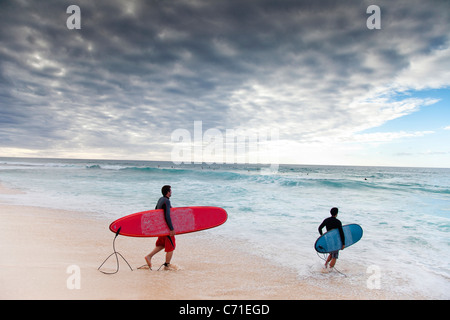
x=334, y=211
x=165, y=189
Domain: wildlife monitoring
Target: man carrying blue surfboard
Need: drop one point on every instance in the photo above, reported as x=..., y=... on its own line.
x=333, y=223
x=164, y=242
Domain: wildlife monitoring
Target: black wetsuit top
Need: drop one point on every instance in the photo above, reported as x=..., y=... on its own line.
x=164, y=203
x=332, y=223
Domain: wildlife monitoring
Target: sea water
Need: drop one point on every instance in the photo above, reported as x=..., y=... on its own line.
x=404, y=212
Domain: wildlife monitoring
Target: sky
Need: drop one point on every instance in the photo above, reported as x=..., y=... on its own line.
x=308, y=79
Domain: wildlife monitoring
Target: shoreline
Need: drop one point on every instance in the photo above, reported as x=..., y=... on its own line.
x=45, y=252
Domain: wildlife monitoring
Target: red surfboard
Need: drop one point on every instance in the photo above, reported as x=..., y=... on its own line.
x=151, y=223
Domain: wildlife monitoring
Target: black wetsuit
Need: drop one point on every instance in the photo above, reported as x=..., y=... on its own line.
x=164, y=203
x=333, y=223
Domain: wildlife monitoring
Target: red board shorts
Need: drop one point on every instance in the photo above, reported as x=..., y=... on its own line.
x=167, y=242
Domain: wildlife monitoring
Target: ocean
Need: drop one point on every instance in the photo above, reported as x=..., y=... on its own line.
x=404, y=212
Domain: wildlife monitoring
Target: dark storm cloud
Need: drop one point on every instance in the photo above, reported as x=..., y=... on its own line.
x=137, y=70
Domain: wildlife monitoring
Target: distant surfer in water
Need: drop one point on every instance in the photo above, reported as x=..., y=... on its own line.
x=333, y=223
x=164, y=242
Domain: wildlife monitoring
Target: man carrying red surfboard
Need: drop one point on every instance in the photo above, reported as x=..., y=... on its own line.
x=165, y=242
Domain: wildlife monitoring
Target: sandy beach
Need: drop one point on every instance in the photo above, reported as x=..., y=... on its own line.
x=54, y=254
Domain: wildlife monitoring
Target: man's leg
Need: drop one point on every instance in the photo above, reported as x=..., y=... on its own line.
x=170, y=247
x=169, y=257
x=328, y=261
x=148, y=258
x=334, y=255
x=333, y=262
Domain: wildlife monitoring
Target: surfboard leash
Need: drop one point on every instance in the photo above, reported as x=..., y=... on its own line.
x=116, y=254
x=324, y=259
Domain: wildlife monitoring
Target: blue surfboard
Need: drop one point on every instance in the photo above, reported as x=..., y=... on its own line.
x=331, y=240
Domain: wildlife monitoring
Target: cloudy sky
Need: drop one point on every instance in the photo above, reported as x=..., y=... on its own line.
x=137, y=71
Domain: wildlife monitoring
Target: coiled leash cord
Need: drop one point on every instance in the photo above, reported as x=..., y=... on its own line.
x=117, y=258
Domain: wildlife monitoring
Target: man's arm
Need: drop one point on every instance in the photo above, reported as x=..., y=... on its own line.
x=166, y=208
x=321, y=227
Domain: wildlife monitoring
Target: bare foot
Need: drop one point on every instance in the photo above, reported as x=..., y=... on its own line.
x=170, y=267
x=148, y=259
